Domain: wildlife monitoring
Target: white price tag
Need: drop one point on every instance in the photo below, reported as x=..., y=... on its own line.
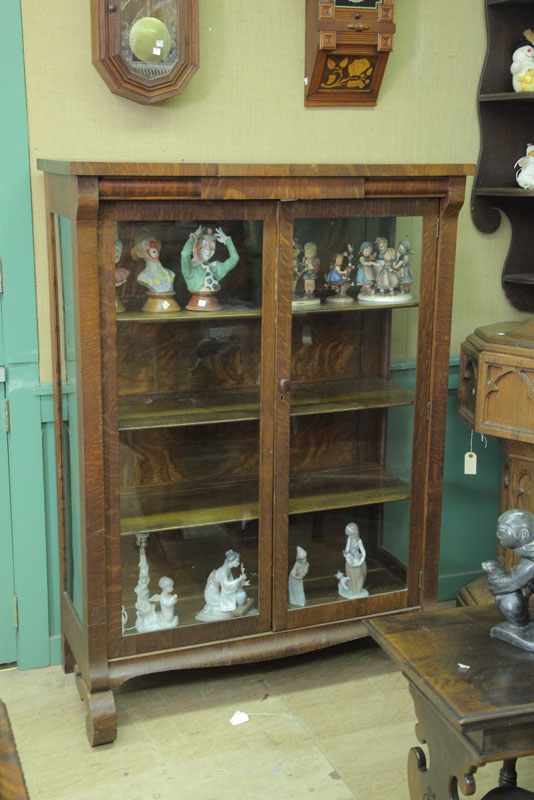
x=159, y=42
x=156, y=51
x=470, y=463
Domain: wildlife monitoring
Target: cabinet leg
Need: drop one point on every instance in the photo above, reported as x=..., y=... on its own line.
x=67, y=658
x=101, y=715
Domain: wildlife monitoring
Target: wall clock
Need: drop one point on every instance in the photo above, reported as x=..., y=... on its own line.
x=348, y=43
x=145, y=50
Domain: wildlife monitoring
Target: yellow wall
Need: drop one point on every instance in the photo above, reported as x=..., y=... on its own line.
x=245, y=104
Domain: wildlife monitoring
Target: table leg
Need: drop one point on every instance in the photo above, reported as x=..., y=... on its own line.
x=452, y=763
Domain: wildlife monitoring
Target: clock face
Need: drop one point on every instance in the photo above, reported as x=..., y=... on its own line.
x=357, y=3
x=149, y=41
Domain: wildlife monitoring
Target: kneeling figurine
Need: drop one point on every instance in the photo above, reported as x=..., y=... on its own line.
x=224, y=595
x=512, y=590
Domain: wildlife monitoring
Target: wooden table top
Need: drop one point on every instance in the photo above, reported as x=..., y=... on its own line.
x=429, y=646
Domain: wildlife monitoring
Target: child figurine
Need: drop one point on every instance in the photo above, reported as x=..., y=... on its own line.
x=339, y=276
x=404, y=272
x=351, y=585
x=522, y=67
x=298, y=572
x=387, y=279
x=307, y=270
x=338, y=271
x=367, y=269
x=166, y=618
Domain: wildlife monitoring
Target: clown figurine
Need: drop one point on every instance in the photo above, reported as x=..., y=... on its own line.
x=202, y=275
x=157, y=279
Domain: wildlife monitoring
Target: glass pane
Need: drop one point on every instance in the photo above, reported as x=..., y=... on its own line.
x=188, y=342
x=67, y=366
x=149, y=36
x=354, y=335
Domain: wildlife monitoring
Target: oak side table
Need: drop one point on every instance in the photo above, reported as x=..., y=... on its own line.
x=466, y=717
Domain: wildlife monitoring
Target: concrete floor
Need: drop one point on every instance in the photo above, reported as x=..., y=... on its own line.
x=331, y=725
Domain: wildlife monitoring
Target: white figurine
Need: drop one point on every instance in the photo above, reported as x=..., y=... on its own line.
x=351, y=585
x=522, y=67
x=296, y=579
x=146, y=613
x=166, y=618
x=525, y=175
x=158, y=279
x=148, y=618
x=224, y=595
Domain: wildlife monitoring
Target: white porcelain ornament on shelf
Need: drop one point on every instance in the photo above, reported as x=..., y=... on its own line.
x=522, y=67
x=297, y=596
x=351, y=585
x=525, y=174
x=224, y=595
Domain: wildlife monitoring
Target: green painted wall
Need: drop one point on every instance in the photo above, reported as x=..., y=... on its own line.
x=21, y=356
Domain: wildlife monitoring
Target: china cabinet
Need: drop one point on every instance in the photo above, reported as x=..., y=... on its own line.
x=506, y=129
x=203, y=455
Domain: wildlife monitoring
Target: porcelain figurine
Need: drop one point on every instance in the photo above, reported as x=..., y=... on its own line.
x=522, y=67
x=165, y=618
x=296, y=267
x=512, y=590
x=121, y=275
x=224, y=595
x=404, y=251
x=381, y=245
x=525, y=175
x=306, y=270
x=201, y=274
x=367, y=268
x=155, y=277
x=387, y=280
x=339, y=277
x=298, y=572
x=146, y=619
x=351, y=585
x=392, y=273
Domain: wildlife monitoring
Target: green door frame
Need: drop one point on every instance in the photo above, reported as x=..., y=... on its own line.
x=8, y=638
x=21, y=353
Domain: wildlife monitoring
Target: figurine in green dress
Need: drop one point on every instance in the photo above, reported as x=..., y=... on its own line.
x=202, y=276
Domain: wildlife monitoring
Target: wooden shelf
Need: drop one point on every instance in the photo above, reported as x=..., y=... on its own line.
x=139, y=413
x=506, y=97
x=236, y=312
x=161, y=509
x=504, y=191
x=380, y=580
x=527, y=277
x=243, y=313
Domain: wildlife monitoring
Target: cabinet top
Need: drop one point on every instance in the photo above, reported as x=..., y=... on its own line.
x=171, y=169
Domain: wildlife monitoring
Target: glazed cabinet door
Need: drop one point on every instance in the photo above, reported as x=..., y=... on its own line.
x=187, y=294
x=354, y=367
